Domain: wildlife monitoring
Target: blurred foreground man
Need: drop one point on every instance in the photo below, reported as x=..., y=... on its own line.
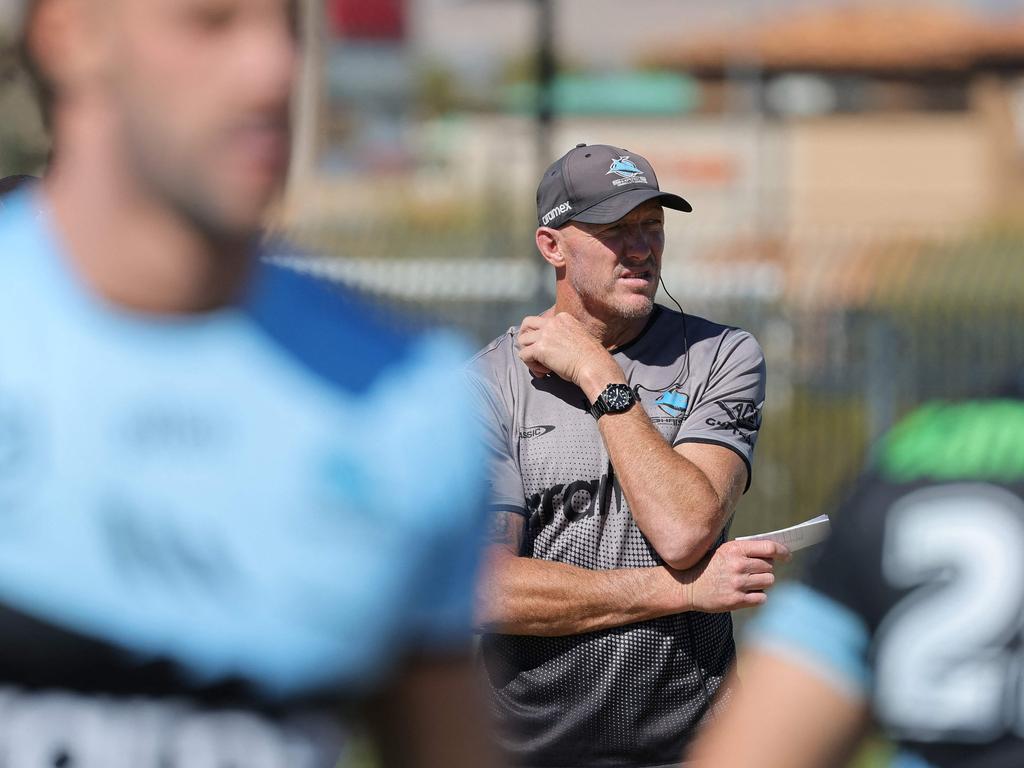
x=911, y=616
x=233, y=504
x=9, y=184
x=622, y=435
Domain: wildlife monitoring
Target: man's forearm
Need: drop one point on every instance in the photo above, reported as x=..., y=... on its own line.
x=526, y=596
x=670, y=498
x=680, y=502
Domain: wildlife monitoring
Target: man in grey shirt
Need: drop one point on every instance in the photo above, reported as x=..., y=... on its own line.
x=621, y=436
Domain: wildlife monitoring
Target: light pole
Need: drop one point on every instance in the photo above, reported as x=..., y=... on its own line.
x=308, y=105
x=547, y=71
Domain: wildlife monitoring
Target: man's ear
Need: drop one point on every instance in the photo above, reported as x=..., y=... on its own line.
x=64, y=39
x=549, y=245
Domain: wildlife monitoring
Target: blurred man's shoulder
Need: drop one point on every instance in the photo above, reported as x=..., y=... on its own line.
x=341, y=334
x=23, y=238
x=16, y=213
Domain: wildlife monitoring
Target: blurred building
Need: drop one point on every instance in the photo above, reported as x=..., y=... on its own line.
x=370, y=86
x=885, y=116
x=880, y=114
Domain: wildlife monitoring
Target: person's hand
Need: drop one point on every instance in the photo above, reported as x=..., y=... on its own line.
x=734, y=576
x=560, y=344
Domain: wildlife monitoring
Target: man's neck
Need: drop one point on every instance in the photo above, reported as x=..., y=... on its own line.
x=611, y=331
x=130, y=250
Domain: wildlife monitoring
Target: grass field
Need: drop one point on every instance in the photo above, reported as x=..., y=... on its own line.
x=875, y=752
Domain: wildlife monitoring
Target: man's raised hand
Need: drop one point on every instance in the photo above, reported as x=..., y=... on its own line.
x=560, y=344
x=734, y=576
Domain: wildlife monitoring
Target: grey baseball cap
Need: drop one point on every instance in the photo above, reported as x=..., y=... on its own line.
x=598, y=184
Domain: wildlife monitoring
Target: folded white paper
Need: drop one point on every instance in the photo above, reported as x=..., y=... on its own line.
x=799, y=536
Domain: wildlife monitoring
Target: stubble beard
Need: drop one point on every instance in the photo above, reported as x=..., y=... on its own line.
x=639, y=307
x=187, y=186
x=603, y=301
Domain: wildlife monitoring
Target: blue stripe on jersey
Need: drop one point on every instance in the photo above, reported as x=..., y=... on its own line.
x=330, y=330
x=807, y=625
x=327, y=522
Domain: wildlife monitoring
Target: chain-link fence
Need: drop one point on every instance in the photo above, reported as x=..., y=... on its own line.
x=856, y=327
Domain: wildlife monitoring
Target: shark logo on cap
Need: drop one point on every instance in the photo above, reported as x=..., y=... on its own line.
x=624, y=167
x=627, y=172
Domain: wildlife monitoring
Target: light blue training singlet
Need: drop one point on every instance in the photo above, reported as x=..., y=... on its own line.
x=216, y=518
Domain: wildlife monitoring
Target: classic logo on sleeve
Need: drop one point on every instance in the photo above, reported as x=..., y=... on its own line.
x=537, y=431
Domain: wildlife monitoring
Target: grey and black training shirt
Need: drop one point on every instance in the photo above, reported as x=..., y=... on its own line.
x=632, y=695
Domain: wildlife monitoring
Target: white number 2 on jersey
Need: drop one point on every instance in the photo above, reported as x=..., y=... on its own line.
x=945, y=669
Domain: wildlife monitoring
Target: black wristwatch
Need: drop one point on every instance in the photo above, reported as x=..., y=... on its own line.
x=616, y=398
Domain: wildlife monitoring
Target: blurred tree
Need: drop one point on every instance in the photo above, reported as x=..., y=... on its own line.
x=438, y=89
x=524, y=68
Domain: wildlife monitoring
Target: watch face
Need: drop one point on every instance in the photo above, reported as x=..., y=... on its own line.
x=618, y=397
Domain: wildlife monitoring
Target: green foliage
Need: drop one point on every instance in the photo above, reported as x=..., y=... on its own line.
x=982, y=266
x=977, y=440
x=874, y=752
x=438, y=89
x=806, y=452
x=523, y=68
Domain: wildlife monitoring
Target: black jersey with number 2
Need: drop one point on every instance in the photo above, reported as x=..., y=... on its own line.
x=917, y=600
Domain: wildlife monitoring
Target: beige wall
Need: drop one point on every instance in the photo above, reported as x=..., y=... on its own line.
x=743, y=177
x=878, y=171
x=890, y=170
x=720, y=166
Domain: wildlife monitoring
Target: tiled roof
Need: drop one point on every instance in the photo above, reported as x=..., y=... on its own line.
x=857, y=38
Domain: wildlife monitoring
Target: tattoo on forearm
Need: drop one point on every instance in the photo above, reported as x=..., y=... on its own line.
x=506, y=529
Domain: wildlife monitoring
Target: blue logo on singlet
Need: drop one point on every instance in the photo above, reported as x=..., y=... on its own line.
x=674, y=403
